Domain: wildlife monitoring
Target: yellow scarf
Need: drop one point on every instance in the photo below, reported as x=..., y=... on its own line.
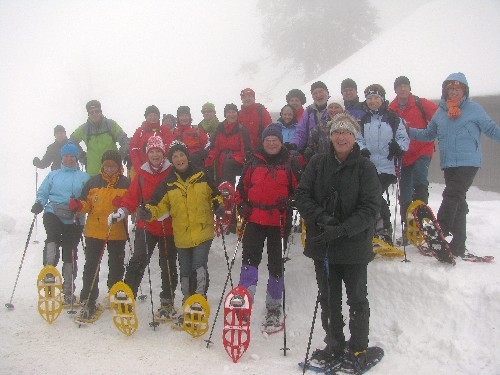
x=453, y=110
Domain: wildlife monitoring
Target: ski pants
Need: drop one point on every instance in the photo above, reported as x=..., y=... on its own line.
x=230, y=169
x=414, y=184
x=385, y=181
x=253, y=247
x=193, y=265
x=329, y=282
x=66, y=236
x=453, y=211
x=144, y=246
x=93, y=255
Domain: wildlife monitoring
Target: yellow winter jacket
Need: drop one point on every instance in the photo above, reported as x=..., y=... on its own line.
x=190, y=205
x=97, y=196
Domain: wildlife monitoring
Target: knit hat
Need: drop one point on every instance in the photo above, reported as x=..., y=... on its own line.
x=208, y=107
x=59, y=128
x=112, y=155
x=348, y=83
x=177, y=146
x=229, y=107
x=296, y=93
x=93, y=104
x=69, y=148
x=152, y=109
x=401, y=80
x=344, y=121
x=318, y=85
x=183, y=109
x=375, y=90
x=247, y=91
x=155, y=142
x=273, y=129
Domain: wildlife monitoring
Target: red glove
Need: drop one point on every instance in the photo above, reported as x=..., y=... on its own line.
x=117, y=201
x=75, y=205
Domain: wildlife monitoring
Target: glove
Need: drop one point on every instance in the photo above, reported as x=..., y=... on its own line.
x=209, y=162
x=394, y=150
x=325, y=220
x=366, y=153
x=290, y=146
x=116, y=216
x=36, y=162
x=117, y=201
x=37, y=208
x=245, y=210
x=331, y=233
x=75, y=205
x=144, y=213
x=218, y=209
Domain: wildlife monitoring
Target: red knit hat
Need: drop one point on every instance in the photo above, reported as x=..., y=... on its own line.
x=155, y=142
x=247, y=91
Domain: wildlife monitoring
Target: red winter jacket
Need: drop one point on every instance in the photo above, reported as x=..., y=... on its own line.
x=250, y=119
x=414, y=119
x=266, y=183
x=300, y=112
x=231, y=141
x=143, y=185
x=195, y=139
x=140, y=139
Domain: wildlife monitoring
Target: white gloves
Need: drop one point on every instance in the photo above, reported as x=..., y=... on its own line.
x=118, y=215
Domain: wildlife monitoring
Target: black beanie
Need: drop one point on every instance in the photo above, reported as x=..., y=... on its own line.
x=177, y=146
x=348, y=83
x=229, y=107
x=296, y=93
x=93, y=104
x=401, y=80
x=59, y=128
x=183, y=109
x=273, y=129
x=317, y=85
x=152, y=109
x=112, y=155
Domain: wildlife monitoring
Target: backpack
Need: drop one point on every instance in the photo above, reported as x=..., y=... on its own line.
x=421, y=107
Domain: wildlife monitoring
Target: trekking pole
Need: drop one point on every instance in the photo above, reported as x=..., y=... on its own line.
x=142, y=296
x=283, y=246
x=306, y=359
x=240, y=237
x=398, y=164
x=396, y=204
x=35, y=240
x=225, y=252
x=153, y=324
x=9, y=305
x=168, y=263
x=71, y=310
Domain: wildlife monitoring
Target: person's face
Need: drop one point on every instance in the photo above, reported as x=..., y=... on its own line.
x=180, y=161
x=456, y=92
x=334, y=109
x=153, y=118
x=69, y=160
x=155, y=157
x=247, y=100
x=349, y=93
x=403, y=91
x=343, y=142
x=295, y=103
x=272, y=145
x=60, y=136
x=287, y=114
x=374, y=102
x=320, y=96
x=110, y=167
x=95, y=115
x=184, y=118
x=208, y=114
x=170, y=123
x=231, y=116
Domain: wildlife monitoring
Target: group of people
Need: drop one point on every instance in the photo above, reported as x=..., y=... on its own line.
x=331, y=161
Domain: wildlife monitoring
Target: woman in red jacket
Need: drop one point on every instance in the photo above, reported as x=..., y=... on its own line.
x=149, y=234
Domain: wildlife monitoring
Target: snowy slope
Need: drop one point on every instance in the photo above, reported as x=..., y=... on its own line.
x=429, y=317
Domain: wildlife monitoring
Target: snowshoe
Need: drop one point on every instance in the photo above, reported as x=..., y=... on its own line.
x=89, y=313
x=229, y=199
x=469, y=257
x=196, y=312
x=122, y=302
x=322, y=361
x=383, y=248
x=67, y=299
x=236, y=331
x=273, y=322
x=413, y=234
x=360, y=362
x=50, y=301
x=166, y=313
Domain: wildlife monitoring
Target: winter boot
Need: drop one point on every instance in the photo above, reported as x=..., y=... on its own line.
x=178, y=323
x=354, y=362
x=167, y=311
x=273, y=318
x=69, y=276
x=88, y=312
x=326, y=357
x=69, y=299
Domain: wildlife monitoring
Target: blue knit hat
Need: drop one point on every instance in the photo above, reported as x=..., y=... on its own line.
x=273, y=129
x=69, y=148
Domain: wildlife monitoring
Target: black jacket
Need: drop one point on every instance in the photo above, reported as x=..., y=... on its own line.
x=356, y=188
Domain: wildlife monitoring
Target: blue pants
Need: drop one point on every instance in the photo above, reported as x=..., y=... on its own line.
x=414, y=184
x=193, y=263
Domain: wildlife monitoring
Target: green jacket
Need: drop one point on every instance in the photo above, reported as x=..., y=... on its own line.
x=99, y=138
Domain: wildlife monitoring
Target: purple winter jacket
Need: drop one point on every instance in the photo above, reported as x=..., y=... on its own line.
x=309, y=120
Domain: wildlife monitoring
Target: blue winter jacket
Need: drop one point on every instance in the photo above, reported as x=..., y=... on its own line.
x=376, y=137
x=310, y=118
x=287, y=130
x=57, y=189
x=459, y=139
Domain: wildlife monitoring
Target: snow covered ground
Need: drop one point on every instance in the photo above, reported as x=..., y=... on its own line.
x=429, y=317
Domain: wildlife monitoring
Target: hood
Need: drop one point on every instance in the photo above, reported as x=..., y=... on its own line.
x=460, y=77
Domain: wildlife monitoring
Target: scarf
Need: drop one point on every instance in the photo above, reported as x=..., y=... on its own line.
x=110, y=180
x=453, y=109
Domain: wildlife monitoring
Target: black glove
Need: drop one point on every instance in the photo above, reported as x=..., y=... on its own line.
x=36, y=162
x=366, y=153
x=331, y=233
x=324, y=220
x=244, y=210
x=37, y=208
x=290, y=146
x=394, y=150
x=144, y=213
x=218, y=209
